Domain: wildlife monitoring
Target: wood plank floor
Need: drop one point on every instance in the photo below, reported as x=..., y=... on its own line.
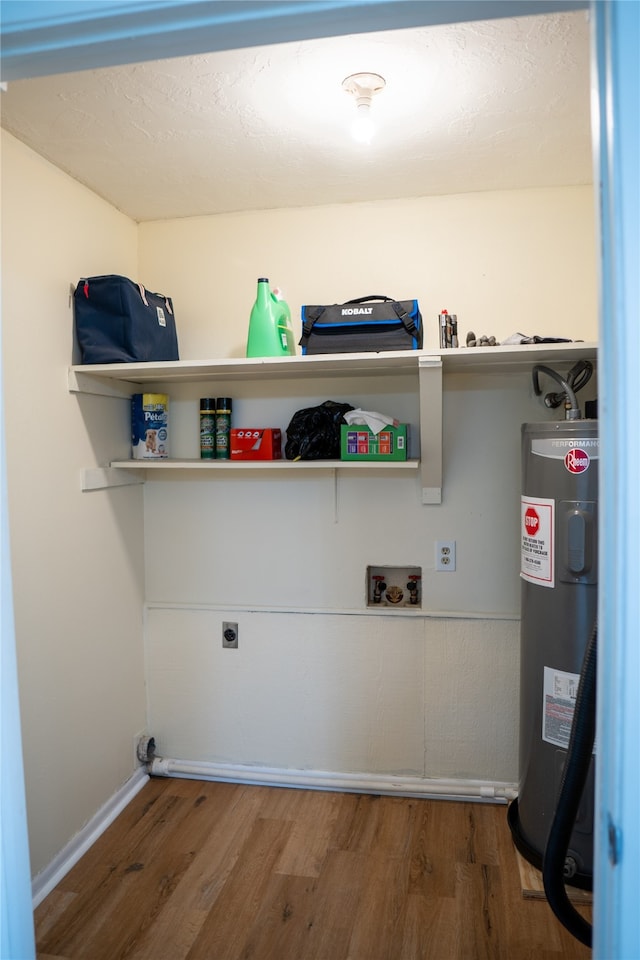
x=195, y=870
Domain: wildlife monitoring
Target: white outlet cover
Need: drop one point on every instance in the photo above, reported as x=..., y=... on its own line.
x=445, y=556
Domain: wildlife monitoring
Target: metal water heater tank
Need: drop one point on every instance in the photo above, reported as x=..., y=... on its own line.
x=559, y=550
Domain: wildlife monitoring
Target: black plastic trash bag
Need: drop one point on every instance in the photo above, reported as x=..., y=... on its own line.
x=314, y=433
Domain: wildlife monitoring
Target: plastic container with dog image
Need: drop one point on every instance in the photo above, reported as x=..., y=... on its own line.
x=149, y=426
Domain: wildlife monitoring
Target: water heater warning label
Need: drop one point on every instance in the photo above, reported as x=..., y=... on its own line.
x=560, y=692
x=537, y=550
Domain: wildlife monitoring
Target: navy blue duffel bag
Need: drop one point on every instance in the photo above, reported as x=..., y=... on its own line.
x=119, y=321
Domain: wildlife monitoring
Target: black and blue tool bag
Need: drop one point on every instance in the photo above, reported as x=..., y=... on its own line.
x=119, y=321
x=365, y=325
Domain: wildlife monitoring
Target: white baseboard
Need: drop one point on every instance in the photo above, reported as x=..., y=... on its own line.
x=427, y=788
x=44, y=882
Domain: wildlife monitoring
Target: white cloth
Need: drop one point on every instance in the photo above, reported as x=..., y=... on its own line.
x=375, y=421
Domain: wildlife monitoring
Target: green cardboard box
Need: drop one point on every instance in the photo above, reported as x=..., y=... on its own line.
x=358, y=442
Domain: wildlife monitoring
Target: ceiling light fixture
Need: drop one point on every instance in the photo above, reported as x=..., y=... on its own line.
x=363, y=87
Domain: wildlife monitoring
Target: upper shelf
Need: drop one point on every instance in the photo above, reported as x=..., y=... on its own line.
x=514, y=357
x=96, y=378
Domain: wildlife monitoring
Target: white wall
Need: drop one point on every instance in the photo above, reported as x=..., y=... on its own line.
x=365, y=695
x=77, y=557
x=335, y=688
x=508, y=261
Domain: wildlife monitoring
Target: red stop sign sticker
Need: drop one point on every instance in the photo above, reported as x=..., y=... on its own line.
x=531, y=521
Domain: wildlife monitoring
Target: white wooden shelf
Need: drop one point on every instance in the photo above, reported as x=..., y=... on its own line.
x=126, y=472
x=426, y=366
x=293, y=465
x=121, y=379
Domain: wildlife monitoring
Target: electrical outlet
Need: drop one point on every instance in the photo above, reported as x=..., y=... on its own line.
x=445, y=556
x=229, y=635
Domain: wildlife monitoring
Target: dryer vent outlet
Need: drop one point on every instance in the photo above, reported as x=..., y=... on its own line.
x=145, y=749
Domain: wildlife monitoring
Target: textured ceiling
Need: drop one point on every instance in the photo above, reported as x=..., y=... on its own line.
x=473, y=106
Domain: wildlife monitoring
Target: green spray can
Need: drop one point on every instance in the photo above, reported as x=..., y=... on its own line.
x=270, y=330
x=223, y=427
x=207, y=428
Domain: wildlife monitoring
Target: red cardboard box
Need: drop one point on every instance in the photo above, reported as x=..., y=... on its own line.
x=256, y=443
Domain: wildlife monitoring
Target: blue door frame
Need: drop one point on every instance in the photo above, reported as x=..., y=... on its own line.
x=616, y=99
x=53, y=36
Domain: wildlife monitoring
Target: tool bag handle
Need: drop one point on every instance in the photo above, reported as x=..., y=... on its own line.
x=374, y=296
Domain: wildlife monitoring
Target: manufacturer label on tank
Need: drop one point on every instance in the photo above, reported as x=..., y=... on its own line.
x=577, y=460
x=560, y=692
x=537, y=546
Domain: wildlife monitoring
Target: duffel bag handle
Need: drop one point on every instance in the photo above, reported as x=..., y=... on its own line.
x=143, y=295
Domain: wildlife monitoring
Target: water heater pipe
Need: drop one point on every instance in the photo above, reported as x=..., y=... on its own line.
x=318, y=780
x=573, y=413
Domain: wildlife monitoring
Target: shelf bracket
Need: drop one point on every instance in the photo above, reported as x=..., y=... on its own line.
x=430, y=382
x=101, y=478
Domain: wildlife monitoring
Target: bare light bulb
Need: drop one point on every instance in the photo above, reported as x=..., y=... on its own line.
x=363, y=128
x=363, y=87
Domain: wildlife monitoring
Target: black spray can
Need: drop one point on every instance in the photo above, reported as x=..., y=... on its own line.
x=208, y=428
x=223, y=427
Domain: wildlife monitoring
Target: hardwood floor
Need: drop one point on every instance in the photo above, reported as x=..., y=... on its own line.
x=194, y=870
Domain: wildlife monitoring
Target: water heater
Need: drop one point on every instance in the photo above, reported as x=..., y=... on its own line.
x=559, y=522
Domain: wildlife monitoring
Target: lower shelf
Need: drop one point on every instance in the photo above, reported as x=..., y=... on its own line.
x=265, y=464
x=125, y=472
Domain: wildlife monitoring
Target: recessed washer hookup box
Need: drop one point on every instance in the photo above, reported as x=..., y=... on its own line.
x=256, y=443
x=360, y=443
